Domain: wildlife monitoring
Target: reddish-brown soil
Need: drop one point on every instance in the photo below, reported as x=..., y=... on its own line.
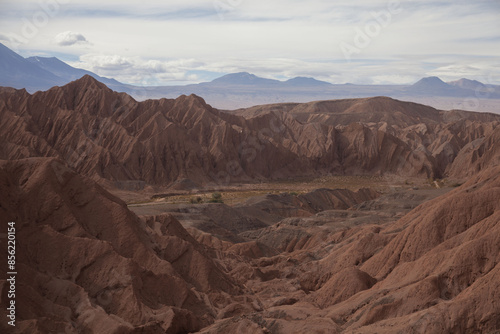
x=405, y=260
x=185, y=143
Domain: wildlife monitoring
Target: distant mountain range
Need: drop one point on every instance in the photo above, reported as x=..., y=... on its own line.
x=401, y=260
x=239, y=90
x=42, y=73
x=247, y=79
x=67, y=72
x=106, y=135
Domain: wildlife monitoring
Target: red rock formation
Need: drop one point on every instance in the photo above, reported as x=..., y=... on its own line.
x=86, y=263
x=436, y=270
x=440, y=272
x=477, y=156
x=109, y=136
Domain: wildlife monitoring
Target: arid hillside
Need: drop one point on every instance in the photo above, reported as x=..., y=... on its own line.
x=87, y=264
x=420, y=257
x=109, y=136
x=435, y=270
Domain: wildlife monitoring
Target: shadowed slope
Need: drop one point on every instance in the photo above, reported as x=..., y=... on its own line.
x=110, y=136
x=86, y=263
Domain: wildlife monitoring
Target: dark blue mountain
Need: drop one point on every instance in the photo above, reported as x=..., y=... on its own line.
x=17, y=72
x=42, y=73
x=234, y=90
x=468, y=84
x=306, y=82
x=244, y=78
x=433, y=86
x=65, y=71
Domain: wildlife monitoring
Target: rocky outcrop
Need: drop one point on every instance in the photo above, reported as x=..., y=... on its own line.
x=109, y=136
x=85, y=263
x=330, y=261
x=477, y=155
x=436, y=270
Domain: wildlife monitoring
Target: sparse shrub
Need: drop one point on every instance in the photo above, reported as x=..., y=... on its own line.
x=216, y=198
x=196, y=200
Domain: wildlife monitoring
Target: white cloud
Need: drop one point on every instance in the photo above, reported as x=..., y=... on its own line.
x=5, y=38
x=136, y=70
x=68, y=38
x=402, y=70
x=160, y=42
x=485, y=72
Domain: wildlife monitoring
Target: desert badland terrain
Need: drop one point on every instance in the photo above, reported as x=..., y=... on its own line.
x=368, y=215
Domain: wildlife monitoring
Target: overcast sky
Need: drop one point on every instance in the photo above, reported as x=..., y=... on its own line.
x=188, y=41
